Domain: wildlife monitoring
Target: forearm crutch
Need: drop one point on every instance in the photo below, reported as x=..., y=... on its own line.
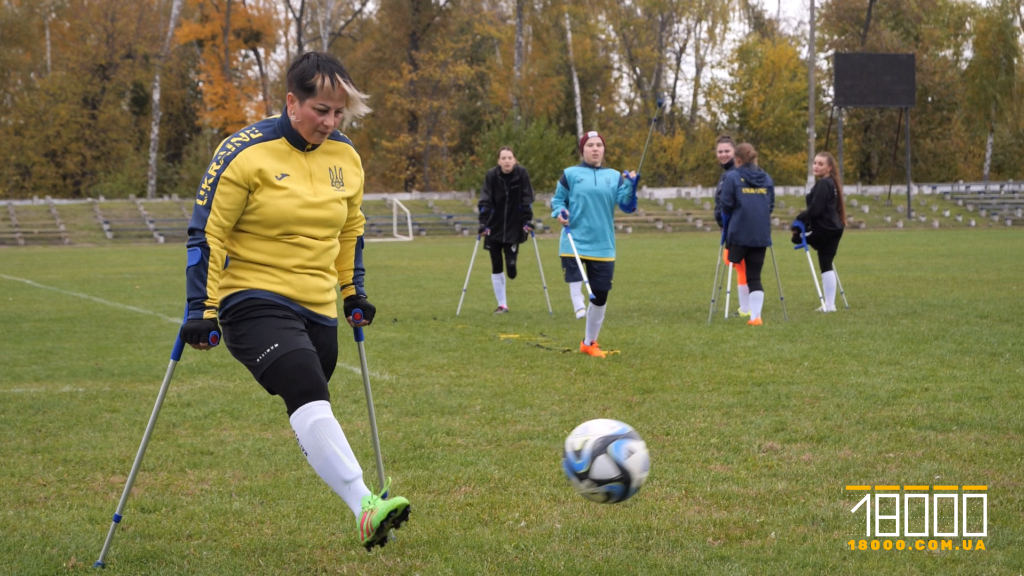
x=779, y=281
x=470, y=271
x=579, y=263
x=543, y=282
x=718, y=266
x=840, y=285
x=179, y=346
x=357, y=333
x=803, y=244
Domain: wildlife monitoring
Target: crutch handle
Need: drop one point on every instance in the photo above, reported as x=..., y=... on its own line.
x=803, y=235
x=179, y=347
x=357, y=331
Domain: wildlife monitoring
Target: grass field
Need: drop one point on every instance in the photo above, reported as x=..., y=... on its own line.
x=753, y=433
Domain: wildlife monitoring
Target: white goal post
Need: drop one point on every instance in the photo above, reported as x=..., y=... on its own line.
x=396, y=204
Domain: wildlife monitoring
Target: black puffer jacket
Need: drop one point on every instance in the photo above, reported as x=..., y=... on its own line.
x=506, y=204
x=822, y=212
x=718, y=191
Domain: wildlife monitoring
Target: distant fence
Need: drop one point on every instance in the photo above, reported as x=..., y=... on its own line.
x=961, y=187
x=1004, y=187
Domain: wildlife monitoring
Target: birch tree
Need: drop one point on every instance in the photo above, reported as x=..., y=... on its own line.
x=154, y=130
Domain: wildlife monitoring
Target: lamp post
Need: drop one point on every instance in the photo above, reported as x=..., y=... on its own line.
x=810, y=99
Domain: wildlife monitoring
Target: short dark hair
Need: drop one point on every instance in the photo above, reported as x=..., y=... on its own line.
x=725, y=139
x=503, y=148
x=312, y=71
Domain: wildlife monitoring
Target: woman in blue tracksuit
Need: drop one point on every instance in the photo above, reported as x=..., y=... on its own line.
x=747, y=200
x=586, y=197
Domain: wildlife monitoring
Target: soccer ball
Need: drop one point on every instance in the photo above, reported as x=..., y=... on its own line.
x=606, y=460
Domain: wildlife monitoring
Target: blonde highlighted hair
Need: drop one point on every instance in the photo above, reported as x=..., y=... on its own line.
x=314, y=71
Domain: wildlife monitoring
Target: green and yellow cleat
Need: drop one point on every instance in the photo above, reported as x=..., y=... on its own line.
x=380, y=516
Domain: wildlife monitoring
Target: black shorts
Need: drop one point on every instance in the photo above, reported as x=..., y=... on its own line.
x=738, y=254
x=599, y=272
x=826, y=241
x=257, y=332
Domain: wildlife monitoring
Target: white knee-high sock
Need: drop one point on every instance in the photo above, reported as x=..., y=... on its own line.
x=744, y=292
x=828, y=283
x=498, y=281
x=576, y=293
x=756, y=303
x=324, y=444
x=595, y=317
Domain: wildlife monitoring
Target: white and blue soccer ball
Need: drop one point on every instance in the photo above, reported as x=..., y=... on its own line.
x=606, y=460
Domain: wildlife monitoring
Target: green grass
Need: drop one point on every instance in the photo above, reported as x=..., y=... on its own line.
x=754, y=433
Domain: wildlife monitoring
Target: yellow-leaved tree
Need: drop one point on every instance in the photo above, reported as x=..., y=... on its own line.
x=229, y=34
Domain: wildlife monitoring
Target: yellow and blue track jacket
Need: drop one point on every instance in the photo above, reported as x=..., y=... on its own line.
x=277, y=217
x=590, y=194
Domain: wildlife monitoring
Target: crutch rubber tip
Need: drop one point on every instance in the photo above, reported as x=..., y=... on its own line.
x=99, y=564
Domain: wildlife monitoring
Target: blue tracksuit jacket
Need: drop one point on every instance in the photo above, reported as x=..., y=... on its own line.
x=748, y=197
x=590, y=194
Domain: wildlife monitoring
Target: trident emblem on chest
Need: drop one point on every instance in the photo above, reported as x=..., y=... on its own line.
x=337, y=179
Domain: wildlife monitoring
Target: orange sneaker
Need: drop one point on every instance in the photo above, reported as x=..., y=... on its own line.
x=754, y=322
x=593, y=350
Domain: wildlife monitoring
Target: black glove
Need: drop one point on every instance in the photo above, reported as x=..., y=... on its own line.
x=360, y=302
x=482, y=229
x=796, y=237
x=198, y=332
x=528, y=225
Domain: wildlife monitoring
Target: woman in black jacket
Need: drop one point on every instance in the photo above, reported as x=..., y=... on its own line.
x=506, y=217
x=725, y=151
x=747, y=200
x=825, y=219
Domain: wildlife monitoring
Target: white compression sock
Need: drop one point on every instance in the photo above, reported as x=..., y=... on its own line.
x=828, y=283
x=595, y=317
x=756, y=303
x=578, y=302
x=498, y=281
x=744, y=292
x=324, y=444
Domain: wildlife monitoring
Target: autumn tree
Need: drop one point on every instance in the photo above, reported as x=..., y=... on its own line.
x=766, y=103
x=992, y=91
x=229, y=35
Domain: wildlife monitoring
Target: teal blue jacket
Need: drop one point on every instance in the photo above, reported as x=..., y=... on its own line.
x=590, y=194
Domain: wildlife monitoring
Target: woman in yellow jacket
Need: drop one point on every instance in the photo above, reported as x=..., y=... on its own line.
x=275, y=232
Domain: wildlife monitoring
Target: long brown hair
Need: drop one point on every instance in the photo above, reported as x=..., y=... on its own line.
x=833, y=172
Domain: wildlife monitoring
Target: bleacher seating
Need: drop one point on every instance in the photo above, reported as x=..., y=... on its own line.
x=32, y=224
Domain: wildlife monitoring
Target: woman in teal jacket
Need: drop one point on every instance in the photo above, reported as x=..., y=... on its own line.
x=586, y=196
